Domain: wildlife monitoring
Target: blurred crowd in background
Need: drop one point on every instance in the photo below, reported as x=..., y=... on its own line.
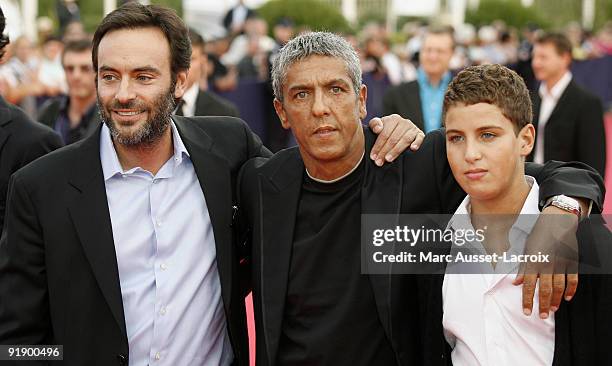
x=32, y=73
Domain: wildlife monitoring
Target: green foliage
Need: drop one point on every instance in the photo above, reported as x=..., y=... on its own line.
x=603, y=12
x=91, y=11
x=559, y=12
x=313, y=14
x=174, y=4
x=510, y=11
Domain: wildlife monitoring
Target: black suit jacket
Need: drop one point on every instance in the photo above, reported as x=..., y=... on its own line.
x=50, y=111
x=210, y=104
x=417, y=182
x=21, y=141
x=575, y=128
x=59, y=280
x=405, y=100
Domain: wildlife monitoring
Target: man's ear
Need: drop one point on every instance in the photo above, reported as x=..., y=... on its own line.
x=280, y=111
x=526, y=137
x=363, y=97
x=181, y=83
x=567, y=58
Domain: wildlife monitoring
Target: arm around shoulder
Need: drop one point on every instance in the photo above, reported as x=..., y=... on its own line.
x=573, y=179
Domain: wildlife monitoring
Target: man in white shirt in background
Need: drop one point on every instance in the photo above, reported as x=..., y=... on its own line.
x=197, y=100
x=567, y=118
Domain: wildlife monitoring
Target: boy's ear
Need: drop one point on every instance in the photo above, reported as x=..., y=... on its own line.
x=526, y=137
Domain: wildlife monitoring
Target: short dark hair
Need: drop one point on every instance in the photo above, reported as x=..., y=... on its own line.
x=493, y=84
x=133, y=15
x=51, y=38
x=561, y=43
x=196, y=38
x=442, y=30
x=4, y=39
x=76, y=46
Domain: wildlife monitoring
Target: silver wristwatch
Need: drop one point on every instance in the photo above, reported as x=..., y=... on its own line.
x=566, y=204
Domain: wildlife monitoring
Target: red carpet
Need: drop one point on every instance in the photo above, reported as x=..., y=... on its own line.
x=608, y=178
x=251, y=324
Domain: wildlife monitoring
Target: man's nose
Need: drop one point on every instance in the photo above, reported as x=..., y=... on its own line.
x=124, y=93
x=320, y=105
x=472, y=152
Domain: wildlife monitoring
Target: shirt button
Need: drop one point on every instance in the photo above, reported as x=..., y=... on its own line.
x=157, y=356
x=163, y=266
x=158, y=223
x=162, y=311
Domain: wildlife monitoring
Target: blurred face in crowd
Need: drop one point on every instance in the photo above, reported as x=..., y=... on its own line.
x=23, y=49
x=322, y=110
x=283, y=33
x=375, y=47
x=53, y=49
x=547, y=63
x=198, y=65
x=80, y=75
x=135, y=87
x=74, y=31
x=436, y=53
x=484, y=150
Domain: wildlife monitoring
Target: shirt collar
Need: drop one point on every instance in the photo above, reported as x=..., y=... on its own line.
x=525, y=221
x=530, y=209
x=110, y=161
x=557, y=89
x=191, y=94
x=424, y=79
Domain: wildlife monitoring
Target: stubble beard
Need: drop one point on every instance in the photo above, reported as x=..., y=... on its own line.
x=151, y=131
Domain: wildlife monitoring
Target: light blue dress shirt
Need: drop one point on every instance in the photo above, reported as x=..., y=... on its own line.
x=166, y=257
x=432, y=98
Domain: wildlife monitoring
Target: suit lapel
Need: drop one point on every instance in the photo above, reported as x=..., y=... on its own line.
x=91, y=218
x=5, y=118
x=561, y=103
x=3, y=137
x=201, y=106
x=411, y=103
x=418, y=108
x=279, y=200
x=382, y=194
x=213, y=173
x=536, y=101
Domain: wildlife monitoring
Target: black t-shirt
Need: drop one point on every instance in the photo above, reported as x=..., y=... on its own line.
x=330, y=312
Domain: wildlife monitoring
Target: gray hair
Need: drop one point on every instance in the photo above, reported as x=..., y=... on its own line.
x=314, y=43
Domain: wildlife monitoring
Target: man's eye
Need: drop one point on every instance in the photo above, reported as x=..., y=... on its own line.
x=487, y=136
x=108, y=77
x=144, y=78
x=336, y=89
x=455, y=138
x=301, y=95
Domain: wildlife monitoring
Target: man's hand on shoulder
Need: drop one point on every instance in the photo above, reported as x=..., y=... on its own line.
x=553, y=236
x=395, y=135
